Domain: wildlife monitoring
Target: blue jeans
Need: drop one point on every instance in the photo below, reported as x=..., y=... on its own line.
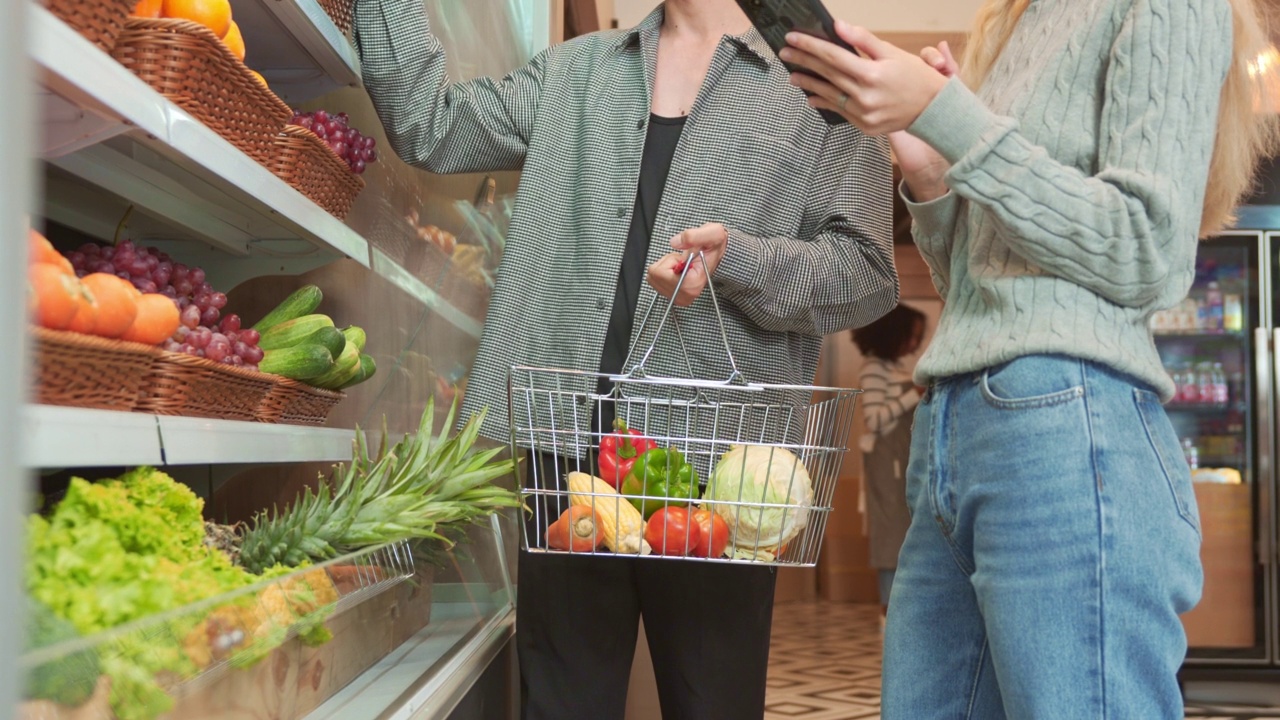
x=1054, y=542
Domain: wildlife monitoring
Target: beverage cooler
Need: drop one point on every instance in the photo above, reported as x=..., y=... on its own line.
x=1220, y=346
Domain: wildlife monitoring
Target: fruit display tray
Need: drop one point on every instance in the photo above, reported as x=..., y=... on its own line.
x=310, y=166
x=195, y=387
x=99, y=21
x=189, y=65
x=296, y=403
x=78, y=370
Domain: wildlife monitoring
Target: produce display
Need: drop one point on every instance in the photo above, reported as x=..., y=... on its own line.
x=116, y=552
x=213, y=14
x=756, y=501
x=68, y=294
x=301, y=344
x=357, y=150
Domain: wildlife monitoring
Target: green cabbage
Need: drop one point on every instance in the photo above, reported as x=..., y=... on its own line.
x=749, y=476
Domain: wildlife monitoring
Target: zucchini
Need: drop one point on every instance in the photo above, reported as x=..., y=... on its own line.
x=345, y=367
x=299, y=363
x=293, y=332
x=303, y=301
x=367, y=368
x=330, y=337
x=355, y=335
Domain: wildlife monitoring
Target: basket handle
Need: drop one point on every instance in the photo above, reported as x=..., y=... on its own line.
x=638, y=371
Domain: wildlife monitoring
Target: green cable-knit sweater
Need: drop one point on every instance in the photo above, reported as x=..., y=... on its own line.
x=1077, y=184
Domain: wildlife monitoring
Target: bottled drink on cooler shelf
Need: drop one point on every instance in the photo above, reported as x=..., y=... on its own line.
x=1184, y=378
x=1232, y=313
x=1220, y=390
x=1191, y=452
x=1213, y=310
x=1204, y=383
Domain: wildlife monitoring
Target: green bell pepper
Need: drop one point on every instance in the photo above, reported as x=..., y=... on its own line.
x=660, y=473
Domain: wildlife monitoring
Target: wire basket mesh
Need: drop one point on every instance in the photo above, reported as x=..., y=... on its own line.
x=677, y=468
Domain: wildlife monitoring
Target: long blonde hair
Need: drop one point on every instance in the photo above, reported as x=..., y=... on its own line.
x=1247, y=125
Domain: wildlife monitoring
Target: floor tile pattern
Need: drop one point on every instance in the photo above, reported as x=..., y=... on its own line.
x=825, y=665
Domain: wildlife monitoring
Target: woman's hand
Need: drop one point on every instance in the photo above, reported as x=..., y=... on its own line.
x=922, y=167
x=881, y=93
x=710, y=240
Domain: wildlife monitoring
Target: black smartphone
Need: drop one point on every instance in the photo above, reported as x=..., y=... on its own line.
x=775, y=18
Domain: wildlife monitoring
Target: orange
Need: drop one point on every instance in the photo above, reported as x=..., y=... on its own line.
x=213, y=14
x=157, y=320
x=56, y=296
x=234, y=41
x=117, y=303
x=86, y=319
x=147, y=9
x=40, y=250
x=259, y=77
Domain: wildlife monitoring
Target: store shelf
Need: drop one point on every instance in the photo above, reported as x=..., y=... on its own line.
x=1223, y=336
x=60, y=437
x=197, y=441
x=426, y=677
x=296, y=47
x=124, y=144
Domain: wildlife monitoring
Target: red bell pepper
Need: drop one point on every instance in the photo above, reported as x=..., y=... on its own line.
x=618, y=452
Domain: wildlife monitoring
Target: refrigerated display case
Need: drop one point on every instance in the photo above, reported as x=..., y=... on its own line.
x=413, y=628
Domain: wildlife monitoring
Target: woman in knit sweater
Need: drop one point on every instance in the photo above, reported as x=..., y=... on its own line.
x=1058, y=187
x=888, y=398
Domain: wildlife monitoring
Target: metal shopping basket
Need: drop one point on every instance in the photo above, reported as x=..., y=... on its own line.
x=746, y=471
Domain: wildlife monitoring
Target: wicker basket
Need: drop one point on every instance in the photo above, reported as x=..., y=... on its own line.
x=308, y=164
x=296, y=403
x=185, y=62
x=341, y=12
x=89, y=372
x=195, y=387
x=99, y=21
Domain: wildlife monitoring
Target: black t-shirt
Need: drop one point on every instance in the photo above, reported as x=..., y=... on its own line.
x=655, y=164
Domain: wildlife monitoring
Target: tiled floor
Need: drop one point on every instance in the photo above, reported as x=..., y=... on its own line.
x=825, y=665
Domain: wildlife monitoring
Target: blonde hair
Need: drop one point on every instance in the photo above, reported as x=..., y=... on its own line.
x=1247, y=125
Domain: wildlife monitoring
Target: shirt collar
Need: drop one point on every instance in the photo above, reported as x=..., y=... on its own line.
x=751, y=40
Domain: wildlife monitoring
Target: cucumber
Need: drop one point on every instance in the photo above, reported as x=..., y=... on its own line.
x=345, y=367
x=303, y=301
x=330, y=337
x=293, y=332
x=367, y=368
x=355, y=335
x=299, y=363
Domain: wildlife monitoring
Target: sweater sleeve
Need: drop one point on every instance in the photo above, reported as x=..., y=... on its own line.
x=880, y=407
x=933, y=228
x=1117, y=231
x=481, y=125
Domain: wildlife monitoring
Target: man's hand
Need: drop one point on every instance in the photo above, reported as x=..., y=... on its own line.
x=664, y=275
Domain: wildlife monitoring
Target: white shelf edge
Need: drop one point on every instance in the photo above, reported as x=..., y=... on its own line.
x=76, y=70
x=66, y=437
x=202, y=441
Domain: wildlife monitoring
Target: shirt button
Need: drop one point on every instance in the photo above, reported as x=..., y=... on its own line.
x=600, y=304
x=622, y=212
x=640, y=125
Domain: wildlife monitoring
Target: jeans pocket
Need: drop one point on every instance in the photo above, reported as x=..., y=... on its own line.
x=1164, y=442
x=1032, y=382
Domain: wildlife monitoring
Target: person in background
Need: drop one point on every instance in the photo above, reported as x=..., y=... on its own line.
x=637, y=147
x=1058, y=185
x=888, y=398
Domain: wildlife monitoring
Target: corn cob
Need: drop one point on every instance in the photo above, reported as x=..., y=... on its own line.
x=621, y=523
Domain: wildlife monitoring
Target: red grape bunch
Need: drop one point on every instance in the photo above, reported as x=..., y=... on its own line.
x=356, y=149
x=204, y=331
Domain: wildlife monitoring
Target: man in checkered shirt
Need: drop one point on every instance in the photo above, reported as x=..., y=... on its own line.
x=637, y=146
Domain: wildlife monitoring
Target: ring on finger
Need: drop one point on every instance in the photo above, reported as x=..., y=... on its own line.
x=844, y=99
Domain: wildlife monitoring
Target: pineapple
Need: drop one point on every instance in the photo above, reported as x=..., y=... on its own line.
x=424, y=482
x=223, y=538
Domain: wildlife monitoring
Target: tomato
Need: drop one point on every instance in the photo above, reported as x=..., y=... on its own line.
x=714, y=534
x=669, y=532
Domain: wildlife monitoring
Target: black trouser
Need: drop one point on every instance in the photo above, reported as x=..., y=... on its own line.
x=577, y=618
x=707, y=625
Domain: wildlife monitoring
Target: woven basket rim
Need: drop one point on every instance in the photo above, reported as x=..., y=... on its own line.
x=136, y=25
x=302, y=385
x=330, y=157
x=95, y=342
x=205, y=363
